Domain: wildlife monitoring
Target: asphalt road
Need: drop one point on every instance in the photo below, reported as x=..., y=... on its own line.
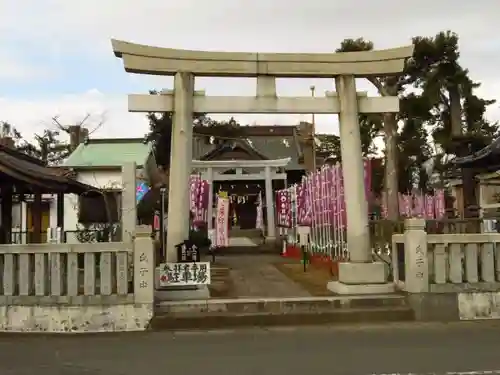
x=465, y=348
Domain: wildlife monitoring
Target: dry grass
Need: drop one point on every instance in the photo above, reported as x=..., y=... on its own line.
x=314, y=280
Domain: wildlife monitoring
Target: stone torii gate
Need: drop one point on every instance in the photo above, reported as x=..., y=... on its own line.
x=211, y=171
x=360, y=274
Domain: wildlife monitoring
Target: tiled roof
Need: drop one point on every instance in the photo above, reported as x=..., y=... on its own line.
x=484, y=154
x=112, y=152
x=271, y=142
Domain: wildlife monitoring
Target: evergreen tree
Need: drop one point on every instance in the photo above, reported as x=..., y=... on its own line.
x=434, y=90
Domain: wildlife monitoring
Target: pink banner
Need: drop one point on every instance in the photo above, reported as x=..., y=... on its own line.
x=222, y=223
x=302, y=213
x=429, y=207
x=418, y=209
x=308, y=200
x=439, y=204
x=199, y=190
x=423, y=206
x=405, y=205
x=341, y=197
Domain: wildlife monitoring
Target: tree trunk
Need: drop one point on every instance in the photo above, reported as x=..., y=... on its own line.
x=391, y=170
x=470, y=203
x=455, y=111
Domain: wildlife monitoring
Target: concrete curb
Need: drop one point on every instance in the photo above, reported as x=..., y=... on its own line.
x=221, y=313
x=279, y=305
x=341, y=316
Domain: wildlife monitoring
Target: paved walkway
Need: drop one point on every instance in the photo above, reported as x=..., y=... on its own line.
x=255, y=276
x=470, y=349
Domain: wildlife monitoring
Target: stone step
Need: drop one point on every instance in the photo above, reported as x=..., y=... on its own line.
x=248, y=250
x=219, y=273
x=249, y=233
x=220, y=313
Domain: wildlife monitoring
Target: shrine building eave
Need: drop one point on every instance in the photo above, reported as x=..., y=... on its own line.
x=278, y=163
x=19, y=171
x=144, y=59
x=487, y=158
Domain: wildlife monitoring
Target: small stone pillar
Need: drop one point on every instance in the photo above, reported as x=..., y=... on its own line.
x=144, y=266
x=129, y=207
x=416, y=260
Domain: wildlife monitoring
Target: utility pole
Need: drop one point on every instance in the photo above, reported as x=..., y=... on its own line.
x=313, y=89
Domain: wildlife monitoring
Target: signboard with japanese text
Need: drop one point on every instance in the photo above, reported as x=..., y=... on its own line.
x=184, y=274
x=187, y=251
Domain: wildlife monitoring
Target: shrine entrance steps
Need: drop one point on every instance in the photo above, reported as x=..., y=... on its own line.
x=248, y=290
x=248, y=241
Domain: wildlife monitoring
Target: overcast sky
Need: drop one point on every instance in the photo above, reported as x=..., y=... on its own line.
x=56, y=56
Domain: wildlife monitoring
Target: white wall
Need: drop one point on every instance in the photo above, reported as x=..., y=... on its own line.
x=98, y=179
x=19, y=222
x=19, y=216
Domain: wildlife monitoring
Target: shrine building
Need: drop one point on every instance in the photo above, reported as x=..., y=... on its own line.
x=239, y=154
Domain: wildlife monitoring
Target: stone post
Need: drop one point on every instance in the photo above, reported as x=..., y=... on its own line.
x=358, y=237
x=180, y=164
x=210, y=209
x=129, y=209
x=416, y=261
x=360, y=275
x=271, y=227
x=144, y=266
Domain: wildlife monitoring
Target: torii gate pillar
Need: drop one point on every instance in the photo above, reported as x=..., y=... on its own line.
x=180, y=164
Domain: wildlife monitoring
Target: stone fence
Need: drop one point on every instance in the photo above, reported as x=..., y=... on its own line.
x=89, y=287
x=448, y=274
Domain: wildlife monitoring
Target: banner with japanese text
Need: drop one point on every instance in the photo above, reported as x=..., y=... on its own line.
x=284, y=209
x=222, y=222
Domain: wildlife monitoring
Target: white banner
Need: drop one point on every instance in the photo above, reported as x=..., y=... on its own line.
x=260, y=215
x=172, y=274
x=221, y=222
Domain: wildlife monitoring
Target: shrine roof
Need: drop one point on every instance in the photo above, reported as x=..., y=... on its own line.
x=30, y=172
x=109, y=153
x=265, y=142
x=488, y=157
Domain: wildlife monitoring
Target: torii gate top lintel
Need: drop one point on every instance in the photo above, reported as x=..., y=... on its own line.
x=143, y=59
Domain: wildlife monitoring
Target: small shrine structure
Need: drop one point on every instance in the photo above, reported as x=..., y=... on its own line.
x=24, y=181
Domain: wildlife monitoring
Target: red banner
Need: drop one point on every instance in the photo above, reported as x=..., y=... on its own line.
x=284, y=209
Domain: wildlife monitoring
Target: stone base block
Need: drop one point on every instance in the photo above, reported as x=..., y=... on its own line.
x=182, y=294
x=363, y=273
x=342, y=288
